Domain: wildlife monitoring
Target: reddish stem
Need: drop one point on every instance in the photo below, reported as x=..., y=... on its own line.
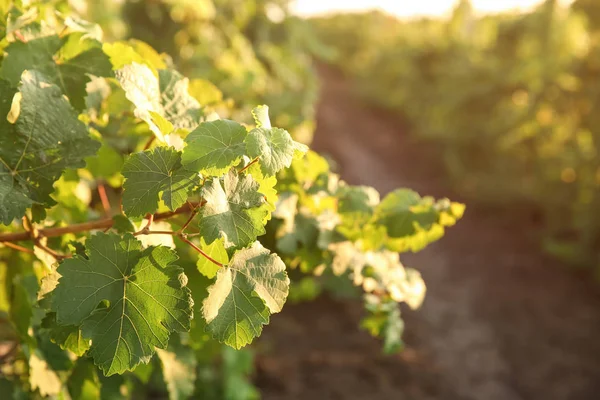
x=149, y=142
x=83, y=227
x=148, y=232
x=189, y=220
x=104, y=198
x=249, y=165
x=199, y=250
x=20, y=36
x=17, y=247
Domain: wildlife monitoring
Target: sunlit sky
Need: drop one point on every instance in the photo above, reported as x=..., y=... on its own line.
x=407, y=8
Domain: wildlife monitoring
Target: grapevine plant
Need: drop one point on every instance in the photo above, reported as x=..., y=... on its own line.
x=136, y=222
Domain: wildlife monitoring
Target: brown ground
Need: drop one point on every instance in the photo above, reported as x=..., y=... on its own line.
x=500, y=321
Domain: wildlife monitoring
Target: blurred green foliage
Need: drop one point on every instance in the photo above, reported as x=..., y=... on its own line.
x=255, y=52
x=512, y=100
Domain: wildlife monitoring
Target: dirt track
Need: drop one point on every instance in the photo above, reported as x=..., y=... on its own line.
x=501, y=321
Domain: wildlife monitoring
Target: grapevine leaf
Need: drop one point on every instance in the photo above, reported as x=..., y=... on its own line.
x=384, y=321
x=113, y=387
x=266, y=187
x=416, y=241
x=124, y=53
x=247, y=290
x=310, y=168
x=122, y=224
x=47, y=285
x=22, y=307
x=38, y=213
x=356, y=205
x=214, y=147
x=166, y=96
x=233, y=211
x=261, y=117
x=386, y=273
x=83, y=383
x=403, y=212
x=67, y=337
x=217, y=251
x=205, y=92
x=274, y=146
x=89, y=29
x=67, y=62
x=42, y=376
x=143, y=372
x=357, y=200
x=150, y=173
x=179, y=370
x=106, y=163
x=36, y=149
x=127, y=299
x=450, y=212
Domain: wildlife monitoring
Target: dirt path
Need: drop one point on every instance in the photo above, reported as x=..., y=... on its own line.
x=500, y=321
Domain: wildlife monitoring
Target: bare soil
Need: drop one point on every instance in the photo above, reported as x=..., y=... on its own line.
x=501, y=320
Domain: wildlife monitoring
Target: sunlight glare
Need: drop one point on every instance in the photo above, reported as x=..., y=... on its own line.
x=407, y=8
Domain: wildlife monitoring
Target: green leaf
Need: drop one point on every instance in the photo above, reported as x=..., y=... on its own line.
x=179, y=370
x=310, y=168
x=150, y=173
x=68, y=337
x=8, y=387
x=403, y=211
x=205, y=92
x=356, y=205
x=266, y=187
x=47, y=285
x=36, y=149
x=416, y=241
x=238, y=366
x=261, y=116
x=217, y=251
x=144, y=372
x=23, y=299
x=357, y=199
x=384, y=320
x=125, y=53
x=274, y=146
x=67, y=62
x=122, y=224
x=166, y=96
x=127, y=299
x=247, y=290
x=106, y=163
x=89, y=29
x=38, y=213
x=214, y=147
x=234, y=211
x=83, y=383
x=113, y=387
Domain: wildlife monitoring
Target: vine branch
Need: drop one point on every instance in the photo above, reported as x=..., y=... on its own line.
x=192, y=215
x=17, y=247
x=31, y=233
x=149, y=232
x=84, y=227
